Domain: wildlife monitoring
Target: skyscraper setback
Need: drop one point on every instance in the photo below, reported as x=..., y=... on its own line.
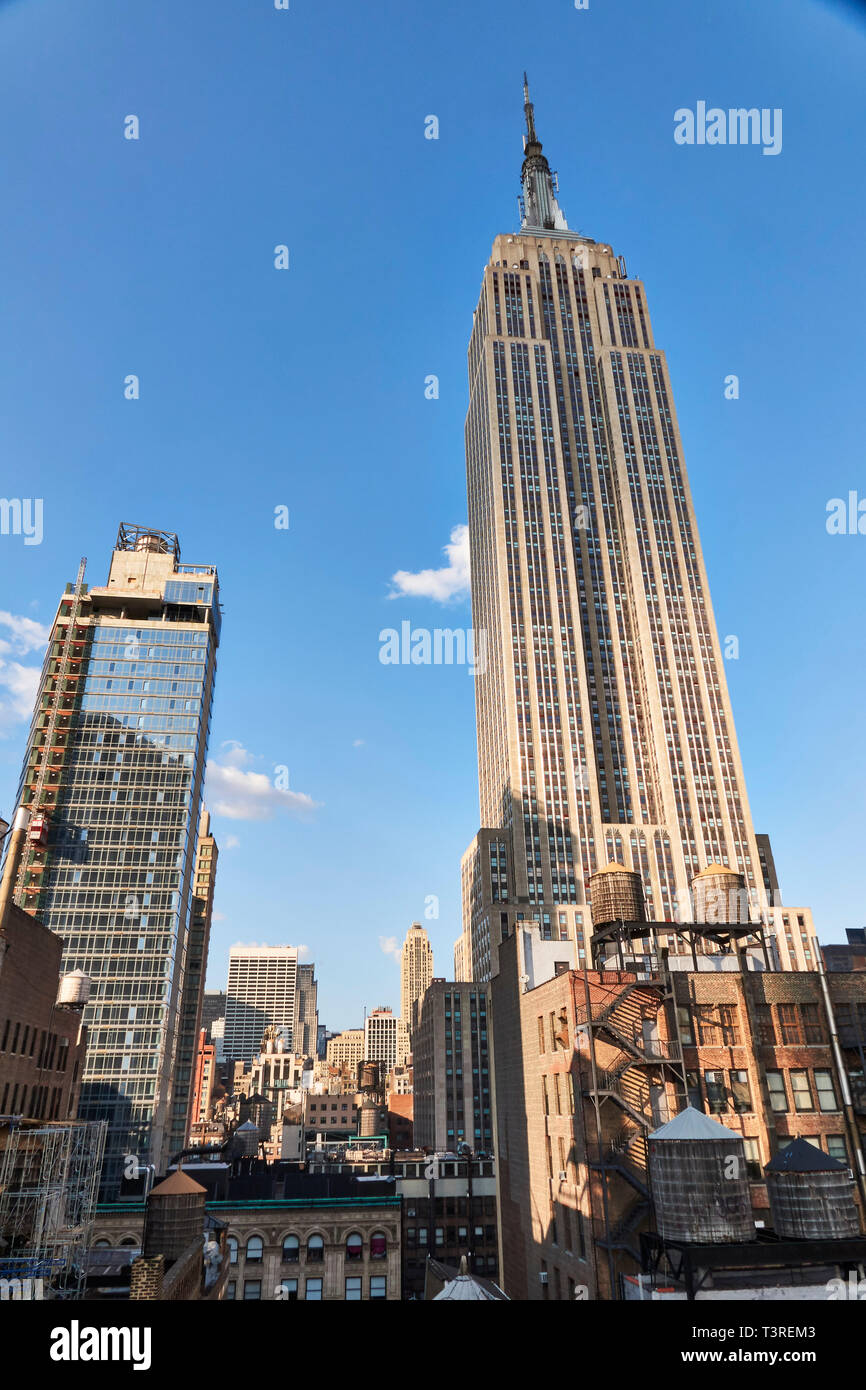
x=605, y=730
x=113, y=779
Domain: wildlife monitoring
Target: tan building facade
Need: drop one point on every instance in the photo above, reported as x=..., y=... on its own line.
x=605, y=728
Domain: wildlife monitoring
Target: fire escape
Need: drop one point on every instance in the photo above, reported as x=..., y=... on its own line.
x=640, y=1086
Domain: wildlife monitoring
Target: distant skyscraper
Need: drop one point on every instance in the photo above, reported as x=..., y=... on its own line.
x=262, y=991
x=213, y=1007
x=305, y=1031
x=386, y=1039
x=416, y=970
x=605, y=730
x=451, y=1064
x=113, y=776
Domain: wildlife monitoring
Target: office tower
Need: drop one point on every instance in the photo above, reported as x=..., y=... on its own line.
x=204, y=882
x=452, y=1068
x=305, y=1030
x=346, y=1051
x=416, y=971
x=262, y=990
x=605, y=730
x=386, y=1039
x=203, y=1081
x=113, y=777
x=213, y=1007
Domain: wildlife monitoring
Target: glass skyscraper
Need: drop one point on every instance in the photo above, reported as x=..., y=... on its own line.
x=605, y=730
x=113, y=779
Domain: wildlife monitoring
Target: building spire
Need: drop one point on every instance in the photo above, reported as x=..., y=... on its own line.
x=541, y=211
x=529, y=110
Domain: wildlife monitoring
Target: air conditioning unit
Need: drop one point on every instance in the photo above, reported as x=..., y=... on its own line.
x=563, y=1177
x=542, y=1278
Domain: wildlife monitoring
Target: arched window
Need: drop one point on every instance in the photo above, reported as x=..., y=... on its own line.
x=354, y=1247
x=232, y=1244
x=255, y=1247
x=129, y=1240
x=315, y=1249
x=378, y=1245
x=102, y=1245
x=291, y=1246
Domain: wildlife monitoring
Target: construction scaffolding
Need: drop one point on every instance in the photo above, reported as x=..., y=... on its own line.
x=49, y=1175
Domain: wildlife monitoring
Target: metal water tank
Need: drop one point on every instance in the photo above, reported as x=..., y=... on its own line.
x=719, y=895
x=811, y=1195
x=152, y=542
x=245, y=1140
x=74, y=989
x=616, y=895
x=174, y=1216
x=699, y=1182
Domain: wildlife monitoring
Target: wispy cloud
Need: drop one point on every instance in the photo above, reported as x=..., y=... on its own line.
x=389, y=946
x=444, y=585
x=238, y=792
x=18, y=682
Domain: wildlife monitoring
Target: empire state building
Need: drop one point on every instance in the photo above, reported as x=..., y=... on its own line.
x=605, y=730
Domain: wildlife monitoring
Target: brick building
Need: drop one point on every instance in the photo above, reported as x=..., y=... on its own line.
x=42, y=1042
x=313, y=1249
x=587, y=1064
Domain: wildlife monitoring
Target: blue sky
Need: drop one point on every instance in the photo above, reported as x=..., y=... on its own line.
x=305, y=388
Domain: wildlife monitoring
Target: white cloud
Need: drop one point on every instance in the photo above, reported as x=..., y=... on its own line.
x=444, y=585
x=218, y=917
x=18, y=683
x=25, y=635
x=231, y=842
x=389, y=946
x=235, y=791
x=358, y=743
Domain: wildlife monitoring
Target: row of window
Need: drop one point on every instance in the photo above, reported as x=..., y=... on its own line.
x=315, y=1248
x=731, y=1090
x=289, y=1290
x=53, y=1049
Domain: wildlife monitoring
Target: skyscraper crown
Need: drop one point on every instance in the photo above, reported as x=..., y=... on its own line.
x=540, y=209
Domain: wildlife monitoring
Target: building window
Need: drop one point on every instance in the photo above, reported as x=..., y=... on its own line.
x=255, y=1247
x=813, y=1026
x=290, y=1290
x=378, y=1245
x=315, y=1251
x=291, y=1250
x=800, y=1091
x=789, y=1025
x=741, y=1094
x=541, y=1034
x=826, y=1091
x=776, y=1088
x=313, y=1291
x=693, y=1089
x=232, y=1244
x=685, y=1026
x=353, y=1290
x=378, y=1286
x=231, y=1289
x=765, y=1030
x=354, y=1247
x=717, y=1096
x=753, y=1159
x=837, y=1147
x=252, y=1289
